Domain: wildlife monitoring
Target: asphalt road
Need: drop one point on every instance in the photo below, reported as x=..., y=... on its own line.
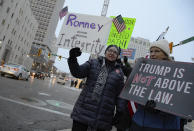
x=35, y=105
x=38, y=105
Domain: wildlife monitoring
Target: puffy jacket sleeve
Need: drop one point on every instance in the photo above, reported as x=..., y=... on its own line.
x=78, y=71
x=121, y=104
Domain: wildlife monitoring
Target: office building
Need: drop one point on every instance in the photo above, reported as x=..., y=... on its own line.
x=18, y=27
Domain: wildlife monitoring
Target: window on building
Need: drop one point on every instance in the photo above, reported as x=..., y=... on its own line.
x=8, y=9
x=21, y=12
x=3, y=38
x=144, y=43
x=7, y=26
x=3, y=22
x=13, y=31
x=12, y=15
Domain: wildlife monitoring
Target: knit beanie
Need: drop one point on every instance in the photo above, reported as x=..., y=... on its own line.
x=118, y=49
x=163, y=45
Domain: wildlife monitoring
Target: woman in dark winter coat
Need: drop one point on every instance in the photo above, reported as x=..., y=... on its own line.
x=146, y=117
x=96, y=104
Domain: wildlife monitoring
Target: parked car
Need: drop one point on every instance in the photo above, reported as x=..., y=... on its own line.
x=15, y=70
x=61, y=80
x=39, y=75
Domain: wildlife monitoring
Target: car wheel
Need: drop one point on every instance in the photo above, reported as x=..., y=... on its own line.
x=20, y=77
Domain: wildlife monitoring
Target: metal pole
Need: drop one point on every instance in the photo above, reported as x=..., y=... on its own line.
x=185, y=41
x=105, y=7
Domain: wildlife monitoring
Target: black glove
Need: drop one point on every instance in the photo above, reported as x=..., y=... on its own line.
x=189, y=120
x=150, y=105
x=75, y=52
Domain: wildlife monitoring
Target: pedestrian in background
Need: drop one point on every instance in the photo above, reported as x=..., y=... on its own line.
x=72, y=82
x=95, y=106
x=146, y=117
x=75, y=82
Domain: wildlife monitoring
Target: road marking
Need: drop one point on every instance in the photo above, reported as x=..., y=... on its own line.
x=44, y=94
x=36, y=107
x=60, y=104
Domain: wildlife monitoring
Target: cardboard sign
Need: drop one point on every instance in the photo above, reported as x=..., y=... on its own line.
x=169, y=84
x=121, y=39
x=88, y=32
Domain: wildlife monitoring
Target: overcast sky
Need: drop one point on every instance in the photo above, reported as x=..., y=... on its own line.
x=152, y=18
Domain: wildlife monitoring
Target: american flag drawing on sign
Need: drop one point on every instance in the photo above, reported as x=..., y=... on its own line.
x=63, y=12
x=130, y=53
x=119, y=23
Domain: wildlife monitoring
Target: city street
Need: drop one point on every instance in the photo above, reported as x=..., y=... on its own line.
x=37, y=105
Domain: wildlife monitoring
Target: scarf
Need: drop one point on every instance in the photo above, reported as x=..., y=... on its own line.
x=100, y=83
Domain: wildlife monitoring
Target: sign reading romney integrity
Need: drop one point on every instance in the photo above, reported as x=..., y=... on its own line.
x=88, y=32
x=169, y=84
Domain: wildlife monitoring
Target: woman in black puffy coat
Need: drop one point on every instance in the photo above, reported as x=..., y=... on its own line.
x=96, y=104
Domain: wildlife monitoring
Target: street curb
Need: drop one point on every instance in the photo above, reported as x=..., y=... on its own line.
x=65, y=130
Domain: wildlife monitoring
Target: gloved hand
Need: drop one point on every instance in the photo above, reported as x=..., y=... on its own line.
x=75, y=52
x=189, y=120
x=150, y=105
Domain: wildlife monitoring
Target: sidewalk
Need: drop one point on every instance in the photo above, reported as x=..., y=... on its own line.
x=188, y=127
x=114, y=129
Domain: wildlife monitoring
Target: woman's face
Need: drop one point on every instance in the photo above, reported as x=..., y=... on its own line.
x=111, y=54
x=157, y=53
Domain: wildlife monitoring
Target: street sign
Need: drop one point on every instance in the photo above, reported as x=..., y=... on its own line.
x=185, y=41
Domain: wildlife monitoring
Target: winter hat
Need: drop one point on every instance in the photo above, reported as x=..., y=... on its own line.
x=163, y=45
x=118, y=49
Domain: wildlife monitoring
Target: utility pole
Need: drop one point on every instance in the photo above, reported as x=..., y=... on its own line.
x=103, y=13
x=105, y=8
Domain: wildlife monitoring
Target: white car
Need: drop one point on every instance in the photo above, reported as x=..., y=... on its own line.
x=17, y=71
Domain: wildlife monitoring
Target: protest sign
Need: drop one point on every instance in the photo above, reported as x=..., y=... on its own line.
x=88, y=32
x=121, y=39
x=129, y=53
x=170, y=84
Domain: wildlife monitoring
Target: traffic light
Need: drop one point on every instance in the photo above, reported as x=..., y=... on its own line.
x=60, y=58
x=170, y=46
x=39, y=51
x=49, y=55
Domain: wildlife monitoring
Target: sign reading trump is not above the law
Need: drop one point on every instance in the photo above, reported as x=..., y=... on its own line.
x=170, y=84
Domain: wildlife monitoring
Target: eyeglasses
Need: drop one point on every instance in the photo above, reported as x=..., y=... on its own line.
x=155, y=51
x=112, y=51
